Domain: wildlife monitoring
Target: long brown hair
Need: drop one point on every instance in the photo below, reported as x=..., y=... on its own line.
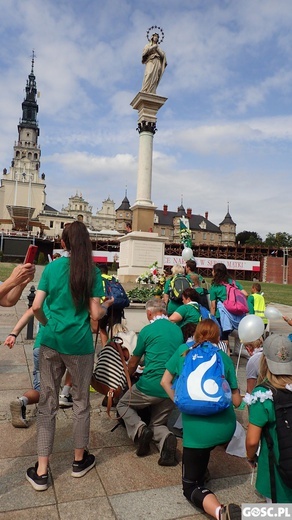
x=278, y=381
x=82, y=272
x=207, y=330
x=220, y=274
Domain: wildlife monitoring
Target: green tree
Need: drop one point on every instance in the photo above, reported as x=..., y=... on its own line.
x=251, y=238
x=278, y=240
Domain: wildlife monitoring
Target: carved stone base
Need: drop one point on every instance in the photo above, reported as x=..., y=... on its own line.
x=147, y=106
x=138, y=250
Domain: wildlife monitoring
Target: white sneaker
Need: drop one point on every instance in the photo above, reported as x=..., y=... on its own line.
x=65, y=401
x=18, y=414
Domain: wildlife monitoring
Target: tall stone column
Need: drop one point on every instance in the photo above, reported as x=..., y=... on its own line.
x=142, y=247
x=144, y=181
x=143, y=209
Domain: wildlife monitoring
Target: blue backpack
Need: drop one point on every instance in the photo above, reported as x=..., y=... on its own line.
x=113, y=288
x=202, y=389
x=206, y=314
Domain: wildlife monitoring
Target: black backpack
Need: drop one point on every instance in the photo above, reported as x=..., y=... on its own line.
x=177, y=286
x=203, y=299
x=282, y=399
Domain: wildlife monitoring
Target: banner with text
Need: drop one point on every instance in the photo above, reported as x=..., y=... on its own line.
x=169, y=260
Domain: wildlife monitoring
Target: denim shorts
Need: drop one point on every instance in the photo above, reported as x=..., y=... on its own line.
x=36, y=370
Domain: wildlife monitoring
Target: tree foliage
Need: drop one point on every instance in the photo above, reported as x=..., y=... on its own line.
x=251, y=238
x=278, y=240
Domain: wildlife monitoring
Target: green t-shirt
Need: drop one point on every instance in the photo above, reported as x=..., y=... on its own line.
x=219, y=293
x=261, y=413
x=250, y=303
x=171, y=305
x=67, y=330
x=190, y=314
x=38, y=339
x=256, y=305
x=157, y=342
x=211, y=430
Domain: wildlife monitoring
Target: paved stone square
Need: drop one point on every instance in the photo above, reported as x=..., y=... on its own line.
x=122, y=486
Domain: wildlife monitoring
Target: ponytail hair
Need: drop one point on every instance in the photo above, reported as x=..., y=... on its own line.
x=82, y=272
x=207, y=330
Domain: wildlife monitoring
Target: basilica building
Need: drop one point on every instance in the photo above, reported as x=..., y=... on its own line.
x=24, y=209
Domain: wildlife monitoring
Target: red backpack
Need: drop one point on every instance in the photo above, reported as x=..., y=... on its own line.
x=235, y=302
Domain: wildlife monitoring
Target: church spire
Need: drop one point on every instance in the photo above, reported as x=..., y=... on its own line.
x=29, y=105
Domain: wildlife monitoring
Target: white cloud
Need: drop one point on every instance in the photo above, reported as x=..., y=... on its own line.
x=223, y=135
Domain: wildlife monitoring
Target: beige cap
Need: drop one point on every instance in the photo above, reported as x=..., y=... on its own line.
x=278, y=352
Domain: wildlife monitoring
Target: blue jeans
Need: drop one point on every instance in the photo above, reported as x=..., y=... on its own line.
x=36, y=370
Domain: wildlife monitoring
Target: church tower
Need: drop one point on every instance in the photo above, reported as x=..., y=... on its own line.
x=22, y=191
x=228, y=230
x=124, y=216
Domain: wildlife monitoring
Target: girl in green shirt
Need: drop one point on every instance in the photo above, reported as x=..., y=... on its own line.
x=218, y=293
x=201, y=434
x=72, y=288
x=275, y=371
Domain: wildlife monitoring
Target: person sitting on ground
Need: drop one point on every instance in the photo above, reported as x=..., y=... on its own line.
x=11, y=289
x=129, y=337
x=157, y=341
x=188, y=333
x=201, y=434
x=170, y=303
x=255, y=350
x=189, y=311
x=256, y=302
x=276, y=372
x=114, y=315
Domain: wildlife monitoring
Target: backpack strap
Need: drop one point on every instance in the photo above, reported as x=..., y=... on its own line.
x=96, y=337
x=272, y=462
x=111, y=322
x=195, y=345
x=196, y=305
x=270, y=444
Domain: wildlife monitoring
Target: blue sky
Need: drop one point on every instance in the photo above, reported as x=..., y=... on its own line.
x=224, y=134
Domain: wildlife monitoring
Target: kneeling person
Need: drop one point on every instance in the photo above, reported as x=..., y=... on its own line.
x=156, y=342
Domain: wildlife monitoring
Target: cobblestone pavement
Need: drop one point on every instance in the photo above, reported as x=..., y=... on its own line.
x=122, y=486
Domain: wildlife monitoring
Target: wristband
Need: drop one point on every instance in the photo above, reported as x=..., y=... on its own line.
x=14, y=335
x=104, y=307
x=252, y=460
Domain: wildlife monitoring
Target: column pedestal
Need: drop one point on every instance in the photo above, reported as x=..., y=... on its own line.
x=142, y=217
x=138, y=250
